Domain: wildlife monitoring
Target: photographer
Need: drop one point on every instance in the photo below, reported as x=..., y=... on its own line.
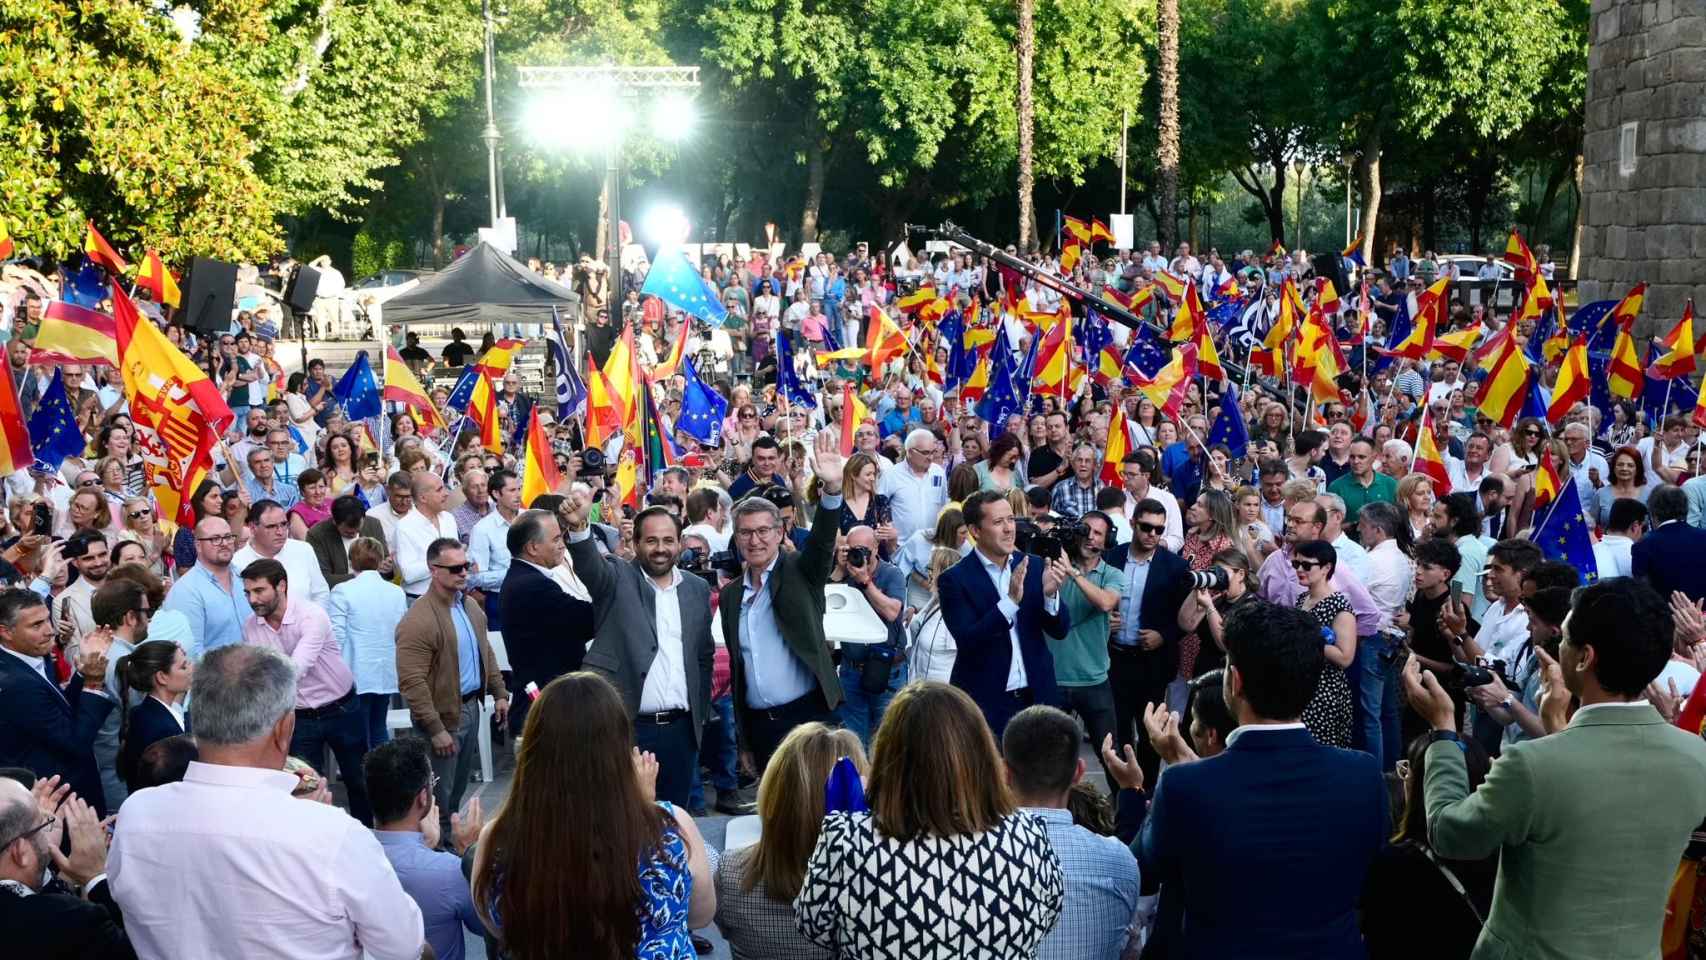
x=1206, y=609
x=1546, y=593
x=1091, y=592
x=871, y=673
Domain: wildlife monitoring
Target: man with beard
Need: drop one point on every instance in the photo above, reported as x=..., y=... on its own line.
x=88, y=554
x=652, y=638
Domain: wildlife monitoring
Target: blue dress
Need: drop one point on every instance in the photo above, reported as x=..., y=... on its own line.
x=668, y=886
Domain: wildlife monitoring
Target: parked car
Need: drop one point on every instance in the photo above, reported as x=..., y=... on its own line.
x=361, y=303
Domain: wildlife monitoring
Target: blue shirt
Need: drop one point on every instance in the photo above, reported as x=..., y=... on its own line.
x=216, y=615
x=467, y=648
x=488, y=546
x=774, y=676
x=1101, y=891
x=283, y=492
x=1131, y=599
x=433, y=879
x=365, y=611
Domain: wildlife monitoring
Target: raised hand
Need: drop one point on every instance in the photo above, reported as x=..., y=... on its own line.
x=646, y=770
x=1016, y=586
x=575, y=512
x=1554, y=695
x=1124, y=771
x=1055, y=575
x=465, y=827
x=827, y=449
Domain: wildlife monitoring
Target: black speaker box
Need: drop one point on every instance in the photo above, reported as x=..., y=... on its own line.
x=210, y=296
x=299, y=294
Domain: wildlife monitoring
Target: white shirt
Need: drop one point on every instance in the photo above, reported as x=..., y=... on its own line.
x=1390, y=576
x=1002, y=576
x=1684, y=675
x=414, y=534
x=1461, y=482
x=1352, y=557
x=311, y=881
x=717, y=540
x=1612, y=556
x=1174, y=538
x=388, y=522
x=1503, y=634
x=666, y=682
x=300, y=565
x=914, y=501
x=1580, y=474
x=175, y=709
x=1261, y=728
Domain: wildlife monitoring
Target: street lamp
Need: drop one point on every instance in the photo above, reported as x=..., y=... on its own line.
x=1297, y=167
x=599, y=102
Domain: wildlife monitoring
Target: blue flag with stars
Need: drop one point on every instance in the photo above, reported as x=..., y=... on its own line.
x=358, y=391
x=1536, y=400
x=54, y=434
x=462, y=394
x=1146, y=352
x=674, y=281
x=1563, y=535
x=702, y=409
x=1000, y=399
x=787, y=378
x=1229, y=426
x=1596, y=317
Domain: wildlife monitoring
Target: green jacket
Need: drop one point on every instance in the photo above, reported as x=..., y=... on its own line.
x=1589, y=824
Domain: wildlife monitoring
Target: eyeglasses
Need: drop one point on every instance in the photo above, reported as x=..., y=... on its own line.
x=452, y=568
x=31, y=831
x=89, y=483
x=1154, y=529
x=140, y=514
x=221, y=538
x=755, y=533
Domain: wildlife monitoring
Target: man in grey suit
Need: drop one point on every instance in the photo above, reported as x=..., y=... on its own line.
x=1589, y=821
x=652, y=638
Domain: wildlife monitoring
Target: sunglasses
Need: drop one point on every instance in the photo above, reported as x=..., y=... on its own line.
x=1154, y=529
x=89, y=483
x=452, y=568
x=1302, y=566
x=140, y=514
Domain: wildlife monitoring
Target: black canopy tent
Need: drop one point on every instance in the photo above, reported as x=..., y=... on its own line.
x=484, y=286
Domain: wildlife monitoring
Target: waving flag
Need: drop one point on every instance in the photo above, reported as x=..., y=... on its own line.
x=702, y=409
x=1505, y=387
x=1699, y=417
x=54, y=432
x=1353, y=253
x=571, y=392
x=15, y=453
x=1169, y=388
x=1574, y=383
x=1428, y=459
x=74, y=334
x=1546, y=482
x=401, y=386
x=1563, y=534
x=156, y=279
x=539, y=468
x=1100, y=231
x=1457, y=344
x=1229, y=426
x=1536, y=299
x=1053, y=356
x=6, y=245
x=357, y=391
x=884, y=340
x=1623, y=372
x=1000, y=398
x=621, y=373
x=661, y=451
x=668, y=365
x=853, y=413
x=916, y=300
x=1519, y=256
x=1629, y=308
x=674, y=281
x=1069, y=255
x=96, y=248
x=1291, y=314
x=1679, y=347
x=1117, y=447
x=788, y=383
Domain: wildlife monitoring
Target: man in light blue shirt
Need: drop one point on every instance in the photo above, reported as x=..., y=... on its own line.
x=210, y=595
x=264, y=483
x=917, y=487
x=400, y=781
x=488, y=543
x=1100, y=914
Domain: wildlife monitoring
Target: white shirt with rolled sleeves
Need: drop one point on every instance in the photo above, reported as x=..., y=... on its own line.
x=227, y=863
x=914, y=501
x=414, y=534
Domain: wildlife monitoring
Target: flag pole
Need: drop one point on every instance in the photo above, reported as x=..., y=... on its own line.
x=1186, y=423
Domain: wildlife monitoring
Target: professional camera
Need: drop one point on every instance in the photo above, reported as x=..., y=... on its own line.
x=592, y=460
x=858, y=556
x=1480, y=674
x=1065, y=538
x=1214, y=578
x=708, y=566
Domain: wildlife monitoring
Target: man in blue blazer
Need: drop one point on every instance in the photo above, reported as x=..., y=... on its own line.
x=1266, y=844
x=997, y=605
x=1143, y=650
x=1670, y=556
x=45, y=729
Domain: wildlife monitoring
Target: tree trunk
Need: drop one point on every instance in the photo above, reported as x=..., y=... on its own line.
x=1576, y=231
x=1192, y=223
x=1549, y=199
x=600, y=240
x=1368, y=183
x=1027, y=119
x=1275, y=203
x=438, y=204
x=814, y=191
x=1167, y=133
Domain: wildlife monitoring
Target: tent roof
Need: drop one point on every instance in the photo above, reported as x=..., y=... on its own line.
x=484, y=286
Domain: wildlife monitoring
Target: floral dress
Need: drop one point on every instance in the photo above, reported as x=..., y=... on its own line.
x=1328, y=715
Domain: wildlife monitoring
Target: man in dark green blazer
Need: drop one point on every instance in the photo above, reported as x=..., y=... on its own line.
x=1589, y=821
x=780, y=669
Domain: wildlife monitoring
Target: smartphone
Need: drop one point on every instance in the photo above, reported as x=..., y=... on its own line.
x=43, y=519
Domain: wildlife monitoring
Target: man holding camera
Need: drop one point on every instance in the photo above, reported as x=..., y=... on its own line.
x=871, y=672
x=1090, y=594
x=652, y=638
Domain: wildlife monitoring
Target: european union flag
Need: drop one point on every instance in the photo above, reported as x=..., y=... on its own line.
x=1535, y=401
x=1596, y=317
x=787, y=379
x=519, y=412
x=1146, y=352
x=571, y=392
x=87, y=287
x=1563, y=535
x=462, y=394
x=1229, y=426
x=1093, y=335
x=296, y=435
x=674, y=281
x=1000, y=399
x=702, y=409
x=1022, y=373
x=1544, y=326
x=54, y=434
x=358, y=391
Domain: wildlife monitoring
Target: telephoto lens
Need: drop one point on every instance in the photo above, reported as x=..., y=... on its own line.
x=1214, y=578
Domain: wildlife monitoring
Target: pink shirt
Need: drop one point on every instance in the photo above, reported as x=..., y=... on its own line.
x=305, y=636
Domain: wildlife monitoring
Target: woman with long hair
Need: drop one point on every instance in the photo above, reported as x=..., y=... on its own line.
x=1147, y=421
x=1206, y=610
x=1628, y=481
x=756, y=886
x=208, y=501
x=940, y=807
x=337, y=463
x=580, y=860
x=161, y=671
x=1408, y=882
x=1416, y=499
x=963, y=481
x=1256, y=530
x=1212, y=529
x=1523, y=449
x=863, y=506
x=140, y=525
x=301, y=409
x=1328, y=715
x=914, y=559
x=1002, y=469
x=115, y=442
x=1036, y=434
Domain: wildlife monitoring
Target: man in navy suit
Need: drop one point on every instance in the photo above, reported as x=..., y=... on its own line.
x=997, y=605
x=1266, y=844
x=1143, y=650
x=43, y=728
x=1670, y=556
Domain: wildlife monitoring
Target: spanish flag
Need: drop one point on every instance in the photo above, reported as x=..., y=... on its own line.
x=15, y=451
x=916, y=299
x=1100, y=231
x=621, y=374
x=1191, y=316
x=153, y=276
x=1172, y=383
x=1353, y=252
x=6, y=245
x=668, y=365
x=1623, y=373
x=1456, y=345
x=1679, y=344
x=539, y=470
x=853, y=413
x=884, y=340
x=1291, y=314
x=96, y=248
x=1505, y=386
x=1079, y=230
x=1173, y=286
x=1536, y=300
x=1069, y=255
x=1574, y=383
x=1053, y=356
x=1629, y=308
x=403, y=387
x=73, y=334
x=1118, y=445
x=603, y=418
x=1519, y=256
x=1428, y=459
x=1546, y=482
x=628, y=481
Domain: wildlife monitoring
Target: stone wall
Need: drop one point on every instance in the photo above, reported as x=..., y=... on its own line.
x=1646, y=66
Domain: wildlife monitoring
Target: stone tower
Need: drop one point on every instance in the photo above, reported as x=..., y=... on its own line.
x=1644, y=179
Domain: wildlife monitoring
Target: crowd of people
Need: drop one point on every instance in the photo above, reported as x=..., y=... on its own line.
x=1325, y=694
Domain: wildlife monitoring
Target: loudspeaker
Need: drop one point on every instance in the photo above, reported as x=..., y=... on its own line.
x=304, y=284
x=210, y=296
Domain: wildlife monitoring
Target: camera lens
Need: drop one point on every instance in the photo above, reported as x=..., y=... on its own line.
x=1214, y=578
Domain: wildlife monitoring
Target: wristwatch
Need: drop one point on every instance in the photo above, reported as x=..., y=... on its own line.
x=1438, y=735
x=1508, y=701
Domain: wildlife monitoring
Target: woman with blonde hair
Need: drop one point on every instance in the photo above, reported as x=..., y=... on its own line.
x=863, y=506
x=940, y=809
x=756, y=886
x=140, y=524
x=1416, y=498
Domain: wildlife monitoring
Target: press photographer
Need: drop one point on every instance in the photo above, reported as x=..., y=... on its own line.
x=870, y=673
x=1143, y=644
x=1216, y=592
x=1091, y=592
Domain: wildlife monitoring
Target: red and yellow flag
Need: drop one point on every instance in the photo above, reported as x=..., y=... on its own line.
x=1546, y=482
x=1100, y=231
x=1574, y=383
x=884, y=340
x=1291, y=314
x=1172, y=383
x=1506, y=385
x=1679, y=346
x=1118, y=445
x=73, y=334
x=96, y=248
x=6, y=245
x=15, y=453
x=916, y=299
x=1519, y=256
x=1457, y=344
x=1623, y=373
x=853, y=413
x=153, y=276
x=539, y=468
x=402, y=386
x=1428, y=459
x=1629, y=308
x=668, y=365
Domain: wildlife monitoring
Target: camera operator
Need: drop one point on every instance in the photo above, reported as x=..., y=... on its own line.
x=1091, y=592
x=1546, y=590
x=871, y=673
x=1206, y=609
x=1503, y=633
x=1143, y=647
